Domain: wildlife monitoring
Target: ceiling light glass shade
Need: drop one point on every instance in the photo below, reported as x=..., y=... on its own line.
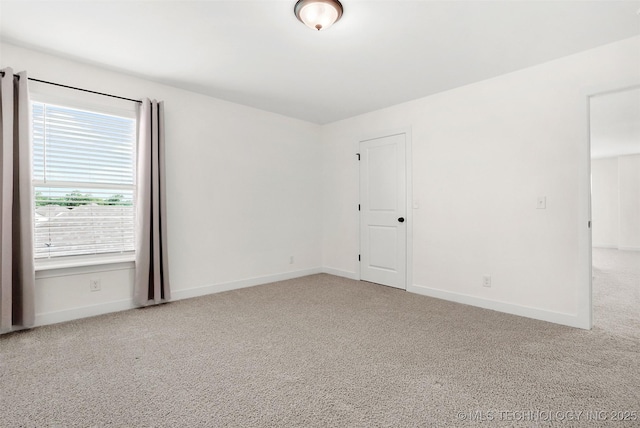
x=318, y=14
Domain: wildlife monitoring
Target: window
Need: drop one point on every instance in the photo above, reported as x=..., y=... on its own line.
x=83, y=181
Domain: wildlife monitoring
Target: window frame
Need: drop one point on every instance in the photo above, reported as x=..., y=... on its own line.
x=47, y=94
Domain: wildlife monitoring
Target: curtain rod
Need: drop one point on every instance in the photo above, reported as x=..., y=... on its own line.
x=78, y=89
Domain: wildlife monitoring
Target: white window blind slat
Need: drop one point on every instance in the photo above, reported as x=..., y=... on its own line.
x=84, y=172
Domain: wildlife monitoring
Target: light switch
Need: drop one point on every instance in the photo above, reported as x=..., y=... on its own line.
x=416, y=204
x=542, y=203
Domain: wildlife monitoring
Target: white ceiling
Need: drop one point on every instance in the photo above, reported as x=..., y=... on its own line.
x=615, y=123
x=256, y=53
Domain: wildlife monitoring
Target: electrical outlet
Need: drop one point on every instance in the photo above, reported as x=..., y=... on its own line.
x=94, y=284
x=541, y=203
x=291, y=260
x=486, y=281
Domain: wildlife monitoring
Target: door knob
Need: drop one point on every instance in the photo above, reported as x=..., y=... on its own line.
x=401, y=219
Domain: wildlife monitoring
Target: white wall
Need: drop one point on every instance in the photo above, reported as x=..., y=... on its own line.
x=242, y=195
x=605, y=203
x=615, y=201
x=482, y=154
x=247, y=189
x=629, y=191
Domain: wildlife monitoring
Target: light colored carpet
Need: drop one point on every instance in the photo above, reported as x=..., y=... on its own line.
x=326, y=351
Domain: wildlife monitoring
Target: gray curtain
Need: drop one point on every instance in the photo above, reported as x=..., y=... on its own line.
x=152, y=270
x=17, y=274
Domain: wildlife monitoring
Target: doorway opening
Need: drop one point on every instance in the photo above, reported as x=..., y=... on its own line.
x=614, y=135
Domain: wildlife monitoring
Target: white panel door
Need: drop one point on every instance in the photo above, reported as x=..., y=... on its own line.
x=383, y=193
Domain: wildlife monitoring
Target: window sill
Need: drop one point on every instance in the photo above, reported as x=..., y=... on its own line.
x=78, y=262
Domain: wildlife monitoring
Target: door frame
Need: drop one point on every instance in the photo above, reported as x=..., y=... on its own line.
x=409, y=197
x=585, y=226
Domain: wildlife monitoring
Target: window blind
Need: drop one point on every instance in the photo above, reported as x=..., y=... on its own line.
x=84, y=181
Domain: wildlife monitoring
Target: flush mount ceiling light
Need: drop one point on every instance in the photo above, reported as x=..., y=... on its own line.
x=318, y=14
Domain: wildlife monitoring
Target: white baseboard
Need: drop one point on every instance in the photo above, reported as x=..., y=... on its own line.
x=243, y=283
x=616, y=247
x=83, y=312
x=122, y=305
x=606, y=246
x=342, y=273
x=509, y=308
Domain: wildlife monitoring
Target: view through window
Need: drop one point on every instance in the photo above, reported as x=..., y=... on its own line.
x=84, y=181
